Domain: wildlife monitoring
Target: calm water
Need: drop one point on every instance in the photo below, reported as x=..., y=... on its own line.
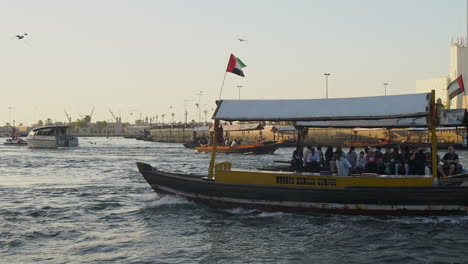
x=89, y=204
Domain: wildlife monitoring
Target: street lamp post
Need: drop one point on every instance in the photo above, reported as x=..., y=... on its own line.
x=206, y=116
x=239, y=86
x=185, y=112
x=11, y=108
x=199, y=105
x=385, y=86
x=326, y=83
x=162, y=117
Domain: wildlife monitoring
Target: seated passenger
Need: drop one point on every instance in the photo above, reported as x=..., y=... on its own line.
x=419, y=162
x=402, y=166
x=397, y=162
x=312, y=161
x=385, y=166
x=328, y=156
x=320, y=153
x=378, y=153
x=406, y=154
x=352, y=157
x=342, y=164
x=371, y=162
x=451, y=163
x=360, y=162
x=305, y=154
x=234, y=143
x=296, y=161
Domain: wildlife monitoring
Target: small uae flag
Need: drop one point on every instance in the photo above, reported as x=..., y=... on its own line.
x=456, y=87
x=235, y=66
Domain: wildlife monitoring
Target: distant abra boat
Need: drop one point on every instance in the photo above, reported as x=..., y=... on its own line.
x=51, y=137
x=15, y=139
x=15, y=142
x=254, y=148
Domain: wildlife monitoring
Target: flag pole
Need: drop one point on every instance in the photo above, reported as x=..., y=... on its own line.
x=222, y=85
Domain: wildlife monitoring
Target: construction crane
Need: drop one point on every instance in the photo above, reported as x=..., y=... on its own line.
x=68, y=117
x=117, y=120
x=91, y=115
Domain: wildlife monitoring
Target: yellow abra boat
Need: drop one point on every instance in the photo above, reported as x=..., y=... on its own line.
x=226, y=187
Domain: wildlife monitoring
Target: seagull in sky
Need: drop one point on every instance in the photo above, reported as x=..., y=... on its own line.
x=21, y=37
x=241, y=40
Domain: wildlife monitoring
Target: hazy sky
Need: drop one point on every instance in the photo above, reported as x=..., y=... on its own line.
x=146, y=56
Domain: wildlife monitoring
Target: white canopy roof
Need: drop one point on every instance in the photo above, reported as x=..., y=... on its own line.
x=360, y=108
x=283, y=128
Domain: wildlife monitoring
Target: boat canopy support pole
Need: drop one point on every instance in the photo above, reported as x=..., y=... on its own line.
x=214, y=149
x=299, y=138
x=433, y=124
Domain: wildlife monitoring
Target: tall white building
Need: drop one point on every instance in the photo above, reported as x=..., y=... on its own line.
x=459, y=66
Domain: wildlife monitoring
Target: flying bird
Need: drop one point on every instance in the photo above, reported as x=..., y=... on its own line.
x=241, y=40
x=21, y=37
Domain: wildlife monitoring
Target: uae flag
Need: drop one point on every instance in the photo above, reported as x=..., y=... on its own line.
x=235, y=66
x=456, y=87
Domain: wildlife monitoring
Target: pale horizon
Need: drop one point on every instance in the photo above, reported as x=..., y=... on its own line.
x=146, y=56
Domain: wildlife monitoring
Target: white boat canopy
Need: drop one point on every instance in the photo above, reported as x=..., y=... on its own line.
x=360, y=108
x=283, y=129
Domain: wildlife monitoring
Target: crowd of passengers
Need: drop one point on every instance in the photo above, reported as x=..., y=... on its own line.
x=396, y=161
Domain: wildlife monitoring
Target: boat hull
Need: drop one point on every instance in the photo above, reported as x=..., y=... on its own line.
x=51, y=142
x=191, y=145
x=435, y=200
x=15, y=142
x=252, y=148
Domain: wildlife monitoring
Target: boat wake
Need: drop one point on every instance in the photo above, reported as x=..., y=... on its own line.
x=406, y=220
x=168, y=200
x=432, y=220
x=252, y=213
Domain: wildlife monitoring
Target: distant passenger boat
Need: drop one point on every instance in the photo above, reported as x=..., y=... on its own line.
x=51, y=137
x=254, y=148
x=15, y=139
x=15, y=142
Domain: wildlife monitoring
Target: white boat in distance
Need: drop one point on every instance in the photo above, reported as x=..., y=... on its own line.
x=51, y=137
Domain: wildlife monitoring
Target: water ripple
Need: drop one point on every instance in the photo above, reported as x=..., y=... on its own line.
x=90, y=204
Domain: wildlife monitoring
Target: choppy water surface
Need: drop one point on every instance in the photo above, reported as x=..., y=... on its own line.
x=90, y=204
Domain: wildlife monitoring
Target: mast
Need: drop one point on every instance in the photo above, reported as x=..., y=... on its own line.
x=432, y=127
x=214, y=149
